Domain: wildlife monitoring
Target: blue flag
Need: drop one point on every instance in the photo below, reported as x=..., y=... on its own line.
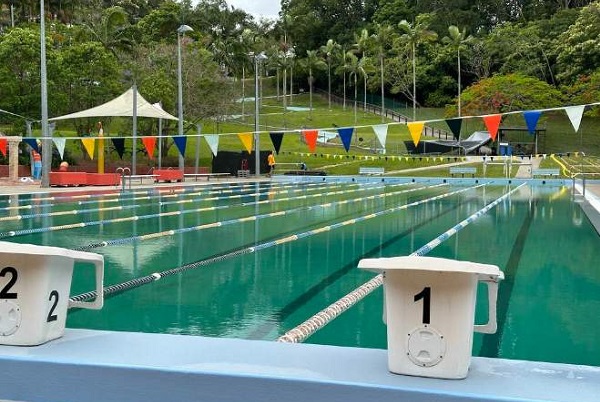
x=32, y=142
x=180, y=141
x=346, y=136
x=531, y=118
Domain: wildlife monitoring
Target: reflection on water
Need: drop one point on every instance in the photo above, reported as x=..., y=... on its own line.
x=538, y=237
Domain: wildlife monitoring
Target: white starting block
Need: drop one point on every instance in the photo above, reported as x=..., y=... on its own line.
x=34, y=291
x=429, y=308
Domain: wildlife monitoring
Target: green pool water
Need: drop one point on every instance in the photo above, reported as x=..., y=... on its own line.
x=547, y=307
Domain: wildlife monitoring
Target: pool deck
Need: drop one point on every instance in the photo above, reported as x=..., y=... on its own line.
x=87, y=365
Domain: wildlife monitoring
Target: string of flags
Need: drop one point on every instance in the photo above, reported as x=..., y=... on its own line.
x=310, y=136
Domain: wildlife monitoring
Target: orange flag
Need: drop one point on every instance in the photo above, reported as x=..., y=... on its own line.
x=492, y=122
x=3, y=144
x=149, y=144
x=310, y=136
x=415, y=129
x=246, y=139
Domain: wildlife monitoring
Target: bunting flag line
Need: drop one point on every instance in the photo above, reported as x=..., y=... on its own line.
x=455, y=126
x=3, y=145
x=346, y=136
x=90, y=145
x=415, y=129
x=32, y=142
x=381, y=133
x=531, y=118
x=213, y=143
x=310, y=136
x=180, y=141
x=149, y=144
x=276, y=139
x=60, y=145
x=575, y=114
x=492, y=122
x=119, y=144
x=246, y=139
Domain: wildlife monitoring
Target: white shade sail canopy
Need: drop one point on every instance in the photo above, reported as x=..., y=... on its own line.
x=121, y=106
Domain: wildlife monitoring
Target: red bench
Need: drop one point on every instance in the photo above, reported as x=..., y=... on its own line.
x=103, y=179
x=68, y=179
x=168, y=175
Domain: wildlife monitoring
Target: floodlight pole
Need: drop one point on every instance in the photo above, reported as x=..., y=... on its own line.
x=46, y=141
x=257, y=59
x=180, y=32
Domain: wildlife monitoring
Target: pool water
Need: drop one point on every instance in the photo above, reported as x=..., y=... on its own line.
x=547, y=306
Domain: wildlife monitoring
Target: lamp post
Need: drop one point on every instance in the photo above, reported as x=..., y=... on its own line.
x=180, y=32
x=257, y=59
x=46, y=144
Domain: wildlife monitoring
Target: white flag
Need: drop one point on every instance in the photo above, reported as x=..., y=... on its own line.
x=213, y=142
x=381, y=133
x=575, y=113
x=60, y=145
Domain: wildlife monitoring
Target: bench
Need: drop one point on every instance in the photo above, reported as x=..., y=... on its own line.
x=371, y=171
x=168, y=175
x=545, y=172
x=463, y=171
x=207, y=175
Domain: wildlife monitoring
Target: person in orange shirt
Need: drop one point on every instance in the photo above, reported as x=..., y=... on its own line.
x=271, y=162
x=37, y=164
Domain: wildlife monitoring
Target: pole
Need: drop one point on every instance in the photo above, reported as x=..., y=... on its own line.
x=179, y=94
x=46, y=141
x=134, y=132
x=256, y=120
x=197, y=164
x=160, y=143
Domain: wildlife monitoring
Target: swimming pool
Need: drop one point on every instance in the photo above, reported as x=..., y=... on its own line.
x=538, y=236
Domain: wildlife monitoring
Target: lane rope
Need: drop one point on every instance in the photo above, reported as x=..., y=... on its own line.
x=316, y=322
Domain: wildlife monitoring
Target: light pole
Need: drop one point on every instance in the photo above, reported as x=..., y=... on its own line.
x=180, y=32
x=46, y=143
x=257, y=59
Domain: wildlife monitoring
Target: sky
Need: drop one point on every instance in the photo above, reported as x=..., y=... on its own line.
x=258, y=8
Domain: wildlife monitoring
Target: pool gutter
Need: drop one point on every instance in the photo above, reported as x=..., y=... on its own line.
x=88, y=365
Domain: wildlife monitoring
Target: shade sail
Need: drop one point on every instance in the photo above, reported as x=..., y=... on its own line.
x=121, y=106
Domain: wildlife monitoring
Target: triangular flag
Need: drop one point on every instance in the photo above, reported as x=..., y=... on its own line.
x=213, y=142
x=3, y=144
x=246, y=139
x=575, y=114
x=89, y=144
x=415, y=129
x=346, y=136
x=310, y=136
x=492, y=122
x=180, y=141
x=60, y=145
x=149, y=144
x=119, y=144
x=531, y=118
x=276, y=139
x=381, y=133
x=455, y=125
x=32, y=142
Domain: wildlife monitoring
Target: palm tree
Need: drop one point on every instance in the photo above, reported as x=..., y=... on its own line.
x=457, y=40
x=355, y=67
x=329, y=51
x=361, y=44
x=111, y=30
x=342, y=55
x=381, y=40
x=312, y=62
x=413, y=35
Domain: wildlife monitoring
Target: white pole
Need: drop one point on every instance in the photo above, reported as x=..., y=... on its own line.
x=180, y=32
x=46, y=142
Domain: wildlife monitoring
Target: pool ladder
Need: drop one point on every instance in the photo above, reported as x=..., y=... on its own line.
x=125, y=171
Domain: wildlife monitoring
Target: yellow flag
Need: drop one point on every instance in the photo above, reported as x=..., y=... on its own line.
x=415, y=129
x=246, y=139
x=90, y=145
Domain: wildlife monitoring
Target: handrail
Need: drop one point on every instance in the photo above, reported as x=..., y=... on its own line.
x=124, y=170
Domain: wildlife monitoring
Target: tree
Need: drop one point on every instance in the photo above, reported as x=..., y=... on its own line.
x=110, y=29
x=457, y=40
x=361, y=44
x=382, y=38
x=329, y=50
x=413, y=35
x=355, y=68
x=312, y=62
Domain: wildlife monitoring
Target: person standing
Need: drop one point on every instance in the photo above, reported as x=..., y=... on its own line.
x=37, y=164
x=271, y=162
